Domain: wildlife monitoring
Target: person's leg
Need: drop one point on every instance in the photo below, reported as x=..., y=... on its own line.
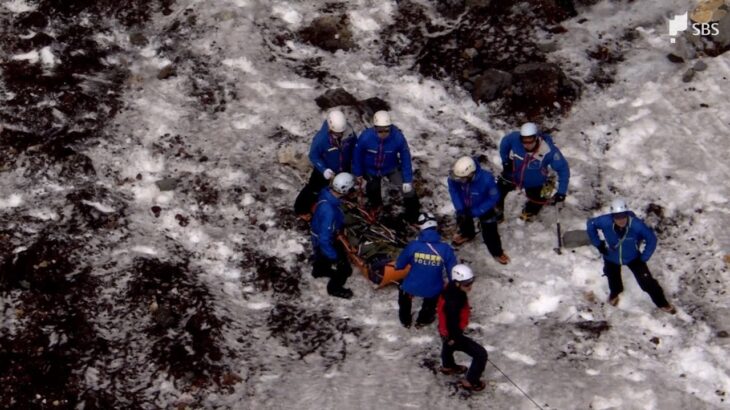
x=308, y=195
x=427, y=314
x=612, y=272
x=373, y=192
x=411, y=204
x=404, y=308
x=447, y=355
x=490, y=233
x=336, y=285
x=321, y=266
x=479, y=358
x=647, y=283
x=505, y=187
x=466, y=225
x=535, y=201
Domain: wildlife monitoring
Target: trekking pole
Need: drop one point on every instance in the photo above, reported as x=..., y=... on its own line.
x=515, y=384
x=559, y=249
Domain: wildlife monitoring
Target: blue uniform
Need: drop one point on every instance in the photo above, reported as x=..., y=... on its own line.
x=326, y=152
x=428, y=257
x=474, y=197
x=625, y=248
x=328, y=220
x=530, y=169
x=379, y=157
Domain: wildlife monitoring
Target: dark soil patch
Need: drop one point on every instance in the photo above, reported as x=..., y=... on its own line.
x=497, y=36
x=42, y=365
x=186, y=333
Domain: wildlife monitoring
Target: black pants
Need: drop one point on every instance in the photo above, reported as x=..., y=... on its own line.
x=641, y=272
x=470, y=347
x=308, y=195
x=490, y=233
x=426, y=315
x=373, y=192
x=322, y=267
x=534, y=203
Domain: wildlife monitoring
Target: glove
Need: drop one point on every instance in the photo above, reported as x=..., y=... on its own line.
x=407, y=187
x=328, y=174
x=602, y=248
x=360, y=182
x=558, y=198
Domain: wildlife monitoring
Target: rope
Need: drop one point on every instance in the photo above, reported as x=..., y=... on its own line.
x=515, y=384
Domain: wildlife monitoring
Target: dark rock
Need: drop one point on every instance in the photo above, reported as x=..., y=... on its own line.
x=700, y=66
x=654, y=340
x=723, y=334
x=33, y=19
x=490, y=85
x=330, y=33
x=688, y=75
x=334, y=98
x=156, y=211
x=166, y=72
x=596, y=327
x=138, y=39
x=167, y=184
x=675, y=58
x=540, y=89
x=372, y=105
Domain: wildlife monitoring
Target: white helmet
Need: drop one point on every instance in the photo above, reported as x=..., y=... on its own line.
x=461, y=273
x=618, y=206
x=381, y=119
x=426, y=220
x=336, y=121
x=343, y=182
x=464, y=167
x=528, y=129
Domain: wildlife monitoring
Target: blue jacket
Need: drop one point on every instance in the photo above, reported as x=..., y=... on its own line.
x=381, y=156
x=327, y=221
x=530, y=170
x=427, y=276
x=476, y=196
x=326, y=153
x=624, y=249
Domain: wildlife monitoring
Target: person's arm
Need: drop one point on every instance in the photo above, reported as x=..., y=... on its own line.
x=404, y=259
x=560, y=165
x=592, y=229
x=492, y=196
x=455, y=196
x=651, y=241
x=405, y=159
x=505, y=149
x=316, y=151
x=327, y=235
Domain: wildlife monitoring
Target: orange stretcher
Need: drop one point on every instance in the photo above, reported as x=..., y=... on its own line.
x=381, y=273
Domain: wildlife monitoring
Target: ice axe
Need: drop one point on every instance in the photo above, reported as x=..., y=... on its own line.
x=559, y=249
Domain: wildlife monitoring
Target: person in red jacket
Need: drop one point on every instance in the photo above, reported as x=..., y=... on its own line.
x=453, y=312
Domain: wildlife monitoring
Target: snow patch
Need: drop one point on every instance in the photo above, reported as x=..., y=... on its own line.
x=519, y=357
x=13, y=201
x=18, y=6
x=544, y=304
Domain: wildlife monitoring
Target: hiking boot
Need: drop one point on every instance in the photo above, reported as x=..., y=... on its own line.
x=459, y=239
x=343, y=293
x=669, y=309
x=613, y=300
x=478, y=386
x=503, y=259
x=528, y=216
x=421, y=323
x=458, y=369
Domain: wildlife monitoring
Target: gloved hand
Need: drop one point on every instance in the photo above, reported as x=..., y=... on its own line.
x=407, y=187
x=602, y=248
x=558, y=198
x=328, y=174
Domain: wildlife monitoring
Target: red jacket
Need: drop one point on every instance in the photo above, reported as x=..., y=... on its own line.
x=453, y=311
